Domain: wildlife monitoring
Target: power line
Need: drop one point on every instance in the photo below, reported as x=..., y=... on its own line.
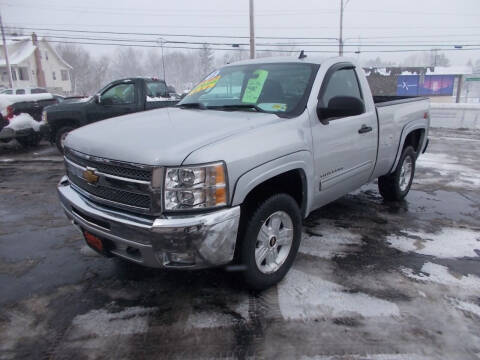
x=262, y=50
x=96, y=39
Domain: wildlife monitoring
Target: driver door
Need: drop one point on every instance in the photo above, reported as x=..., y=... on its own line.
x=118, y=99
x=344, y=147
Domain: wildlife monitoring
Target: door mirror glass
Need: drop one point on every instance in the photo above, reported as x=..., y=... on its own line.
x=97, y=99
x=340, y=106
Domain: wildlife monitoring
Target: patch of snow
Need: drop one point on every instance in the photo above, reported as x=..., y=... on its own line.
x=448, y=243
x=466, y=306
x=440, y=274
x=203, y=319
x=302, y=296
x=133, y=320
x=332, y=241
x=369, y=357
x=7, y=100
x=160, y=98
x=448, y=166
x=23, y=121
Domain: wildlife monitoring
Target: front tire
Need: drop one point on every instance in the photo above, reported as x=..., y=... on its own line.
x=270, y=241
x=395, y=186
x=60, y=137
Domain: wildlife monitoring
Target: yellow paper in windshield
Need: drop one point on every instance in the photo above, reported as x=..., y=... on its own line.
x=206, y=84
x=255, y=86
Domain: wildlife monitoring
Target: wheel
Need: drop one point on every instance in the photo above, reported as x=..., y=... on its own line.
x=28, y=141
x=270, y=241
x=395, y=186
x=61, y=135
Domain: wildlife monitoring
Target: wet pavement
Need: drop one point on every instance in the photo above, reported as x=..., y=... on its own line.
x=372, y=280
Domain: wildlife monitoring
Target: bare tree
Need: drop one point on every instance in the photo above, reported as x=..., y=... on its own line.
x=206, y=59
x=127, y=62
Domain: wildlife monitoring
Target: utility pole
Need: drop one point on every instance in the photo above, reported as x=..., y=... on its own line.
x=252, y=32
x=340, y=40
x=5, y=50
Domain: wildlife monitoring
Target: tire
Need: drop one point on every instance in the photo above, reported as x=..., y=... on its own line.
x=29, y=141
x=279, y=212
x=395, y=186
x=60, y=137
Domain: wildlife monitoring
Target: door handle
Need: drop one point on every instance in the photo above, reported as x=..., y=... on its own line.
x=364, y=129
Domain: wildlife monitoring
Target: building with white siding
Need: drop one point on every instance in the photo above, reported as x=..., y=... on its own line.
x=35, y=63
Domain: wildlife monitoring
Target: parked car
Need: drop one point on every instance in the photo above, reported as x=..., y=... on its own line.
x=120, y=97
x=21, y=116
x=228, y=175
x=24, y=91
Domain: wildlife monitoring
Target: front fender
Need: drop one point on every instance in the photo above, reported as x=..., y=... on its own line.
x=302, y=160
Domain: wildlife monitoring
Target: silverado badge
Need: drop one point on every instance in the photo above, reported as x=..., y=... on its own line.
x=90, y=176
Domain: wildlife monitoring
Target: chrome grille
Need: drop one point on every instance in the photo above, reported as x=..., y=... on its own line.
x=119, y=196
x=118, y=184
x=103, y=166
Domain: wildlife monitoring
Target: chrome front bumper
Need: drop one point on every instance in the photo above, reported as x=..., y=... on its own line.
x=190, y=242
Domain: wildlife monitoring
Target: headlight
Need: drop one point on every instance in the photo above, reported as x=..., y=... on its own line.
x=44, y=116
x=195, y=187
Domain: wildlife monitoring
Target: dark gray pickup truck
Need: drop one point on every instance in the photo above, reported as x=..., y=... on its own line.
x=120, y=97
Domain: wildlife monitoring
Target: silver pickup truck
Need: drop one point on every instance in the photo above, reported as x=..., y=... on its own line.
x=227, y=175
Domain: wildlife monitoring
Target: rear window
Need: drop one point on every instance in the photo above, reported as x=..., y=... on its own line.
x=156, y=89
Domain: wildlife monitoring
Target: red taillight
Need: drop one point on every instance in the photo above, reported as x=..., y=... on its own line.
x=425, y=115
x=10, y=113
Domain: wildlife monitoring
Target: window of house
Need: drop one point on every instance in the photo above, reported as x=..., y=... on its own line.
x=54, y=76
x=46, y=55
x=14, y=75
x=64, y=74
x=38, y=91
x=23, y=73
x=33, y=72
x=4, y=76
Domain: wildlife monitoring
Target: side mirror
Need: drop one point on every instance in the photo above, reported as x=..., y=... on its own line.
x=97, y=99
x=340, y=106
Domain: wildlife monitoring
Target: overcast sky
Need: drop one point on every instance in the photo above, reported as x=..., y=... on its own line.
x=406, y=24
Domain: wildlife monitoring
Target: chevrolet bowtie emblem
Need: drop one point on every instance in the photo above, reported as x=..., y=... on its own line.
x=90, y=176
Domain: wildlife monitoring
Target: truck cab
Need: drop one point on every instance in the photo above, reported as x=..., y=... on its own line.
x=228, y=174
x=120, y=97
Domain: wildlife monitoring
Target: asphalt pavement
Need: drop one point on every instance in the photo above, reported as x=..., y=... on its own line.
x=372, y=280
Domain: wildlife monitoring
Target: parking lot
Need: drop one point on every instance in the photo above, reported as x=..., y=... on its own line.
x=372, y=280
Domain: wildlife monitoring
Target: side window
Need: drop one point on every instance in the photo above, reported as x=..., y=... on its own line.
x=156, y=89
x=38, y=91
x=20, y=91
x=343, y=82
x=119, y=94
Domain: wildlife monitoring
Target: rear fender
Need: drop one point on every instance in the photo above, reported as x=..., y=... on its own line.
x=407, y=129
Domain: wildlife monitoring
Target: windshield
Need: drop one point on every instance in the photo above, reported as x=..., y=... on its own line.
x=280, y=88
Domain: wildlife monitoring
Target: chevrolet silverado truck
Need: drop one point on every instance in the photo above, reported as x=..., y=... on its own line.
x=228, y=175
x=120, y=97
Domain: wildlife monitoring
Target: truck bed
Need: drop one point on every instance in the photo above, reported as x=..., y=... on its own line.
x=384, y=100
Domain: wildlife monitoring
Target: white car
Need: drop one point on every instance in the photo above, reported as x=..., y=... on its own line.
x=23, y=91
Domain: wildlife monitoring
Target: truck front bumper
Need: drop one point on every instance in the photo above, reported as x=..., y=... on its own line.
x=188, y=242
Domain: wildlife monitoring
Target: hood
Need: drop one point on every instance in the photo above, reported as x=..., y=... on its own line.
x=69, y=105
x=164, y=136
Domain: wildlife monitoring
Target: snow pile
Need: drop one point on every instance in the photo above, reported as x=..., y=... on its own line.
x=7, y=100
x=302, y=296
x=23, y=121
x=329, y=241
x=133, y=320
x=441, y=275
x=448, y=243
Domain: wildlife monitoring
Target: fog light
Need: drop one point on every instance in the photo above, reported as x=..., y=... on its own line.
x=181, y=258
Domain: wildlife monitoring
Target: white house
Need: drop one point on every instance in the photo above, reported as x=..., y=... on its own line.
x=35, y=63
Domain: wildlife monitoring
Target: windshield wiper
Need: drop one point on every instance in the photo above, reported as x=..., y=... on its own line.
x=237, y=106
x=192, y=105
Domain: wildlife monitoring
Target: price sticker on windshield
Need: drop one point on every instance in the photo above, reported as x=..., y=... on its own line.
x=255, y=86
